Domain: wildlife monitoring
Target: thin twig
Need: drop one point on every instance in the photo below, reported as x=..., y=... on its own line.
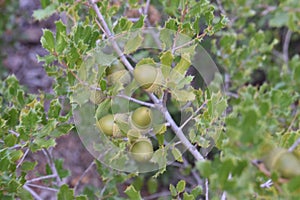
x=33, y=193
x=41, y=178
x=294, y=146
x=206, y=190
x=151, y=105
x=23, y=157
x=52, y=166
x=14, y=133
x=179, y=133
x=193, y=115
x=285, y=48
x=42, y=187
x=293, y=120
x=83, y=175
x=146, y=9
x=157, y=195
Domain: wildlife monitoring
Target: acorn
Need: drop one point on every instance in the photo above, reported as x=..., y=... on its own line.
x=141, y=118
x=117, y=73
x=148, y=77
x=141, y=150
x=286, y=163
x=108, y=126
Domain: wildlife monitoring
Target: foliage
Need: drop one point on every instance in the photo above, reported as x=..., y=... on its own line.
x=213, y=131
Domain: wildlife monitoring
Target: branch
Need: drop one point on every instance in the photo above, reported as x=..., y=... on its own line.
x=157, y=195
x=192, y=116
x=33, y=193
x=179, y=133
x=23, y=157
x=156, y=101
x=52, y=166
x=41, y=178
x=42, y=187
x=83, y=175
x=285, y=48
x=151, y=105
x=294, y=146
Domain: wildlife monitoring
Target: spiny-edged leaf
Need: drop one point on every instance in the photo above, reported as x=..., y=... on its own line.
x=183, y=64
x=171, y=24
x=166, y=37
x=133, y=44
x=132, y=193
x=173, y=190
x=10, y=140
x=54, y=110
x=139, y=23
x=44, y=13
x=196, y=191
x=104, y=59
x=44, y=143
x=47, y=40
x=28, y=166
x=166, y=60
x=61, y=35
x=60, y=169
x=183, y=95
x=159, y=129
x=160, y=157
x=65, y=193
x=180, y=187
x=81, y=197
x=16, y=155
x=187, y=196
x=177, y=154
x=123, y=25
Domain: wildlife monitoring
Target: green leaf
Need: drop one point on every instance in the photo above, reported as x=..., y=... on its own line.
x=180, y=187
x=205, y=168
x=183, y=64
x=10, y=140
x=81, y=197
x=132, y=193
x=166, y=60
x=65, y=193
x=173, y=190
x=28, y=166
x=44, y=13
x=140, y=23
x=280, y=19
x=160, y=157
x=152, y=185
x=47, y=40
x=55, y=108
x=187, y=196
x=60, y=168
x=61, y=35
x=177, y=154
x=183, y=95
x=133, y=44
x=16, y=155
x=123, y=25
x=196, y=191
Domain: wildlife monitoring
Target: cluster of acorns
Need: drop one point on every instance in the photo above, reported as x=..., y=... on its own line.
x=149, y=78
x=140, y=120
